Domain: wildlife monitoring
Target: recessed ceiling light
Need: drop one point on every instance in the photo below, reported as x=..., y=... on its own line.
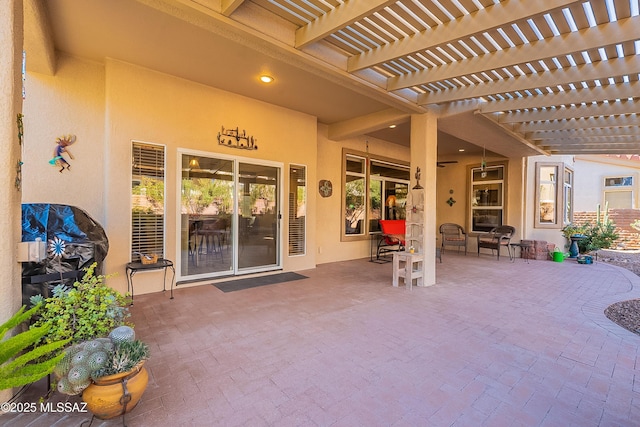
x=392, y=127
x=266, y=79
x=461, y=149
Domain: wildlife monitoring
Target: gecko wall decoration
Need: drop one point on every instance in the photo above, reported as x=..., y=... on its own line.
x=234, y=139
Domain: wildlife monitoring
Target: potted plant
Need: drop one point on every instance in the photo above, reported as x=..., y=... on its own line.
x=109, y=372
x=590, y=237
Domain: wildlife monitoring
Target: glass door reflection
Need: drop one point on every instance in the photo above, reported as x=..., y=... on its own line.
x=207, y=211
x=258, y=216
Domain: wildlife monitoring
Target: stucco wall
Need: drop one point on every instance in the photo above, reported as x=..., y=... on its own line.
x=11, y=40
x=588, y=187
x=71, y=102
x=109, y=106
x=590, y=172
x=550, y=235
x=455, y=177
x=329, y=246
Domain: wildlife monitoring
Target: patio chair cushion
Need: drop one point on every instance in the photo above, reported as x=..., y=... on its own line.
x=497, y=238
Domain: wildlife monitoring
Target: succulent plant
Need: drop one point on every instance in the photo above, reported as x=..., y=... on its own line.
x=85, y=361
x=124, y=357
x=122, y=334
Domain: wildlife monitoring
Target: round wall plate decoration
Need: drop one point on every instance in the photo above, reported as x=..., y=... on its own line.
x=325, y=187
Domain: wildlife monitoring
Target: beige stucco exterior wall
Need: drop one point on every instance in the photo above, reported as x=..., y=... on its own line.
x=11, y=40
x=456, y=177
x=550, y=235
x=71, y=102
x=329, y=210
x=590, y=172
x=109, y=106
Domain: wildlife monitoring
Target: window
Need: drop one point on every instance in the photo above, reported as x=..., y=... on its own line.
x=568, y=196
x=487, y=197
x=354, y=193
x=147, y=199
x=297, y=209
x=619, y=192
x=547, y=197
x=374, y=188
x=554, y=204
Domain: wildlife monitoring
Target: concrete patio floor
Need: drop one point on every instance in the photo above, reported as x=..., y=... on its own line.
x=493, y=343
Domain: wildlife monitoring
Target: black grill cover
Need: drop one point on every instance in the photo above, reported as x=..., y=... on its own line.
x=84, y=239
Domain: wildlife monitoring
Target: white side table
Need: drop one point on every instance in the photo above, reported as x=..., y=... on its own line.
x=409, y=266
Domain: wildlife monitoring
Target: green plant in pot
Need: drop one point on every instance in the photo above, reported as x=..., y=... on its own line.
x=600, y=235
x=109, y=372
x=86, y=310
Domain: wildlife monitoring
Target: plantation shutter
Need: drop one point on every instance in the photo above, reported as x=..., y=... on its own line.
x=297, y=209
x=147, y=197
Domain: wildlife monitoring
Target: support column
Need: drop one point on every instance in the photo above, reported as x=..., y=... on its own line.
x=11, y=42
x=424, y=144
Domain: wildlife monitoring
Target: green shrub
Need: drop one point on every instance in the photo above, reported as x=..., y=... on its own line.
x=600, y=235
x=21, y=362
x=87, y=310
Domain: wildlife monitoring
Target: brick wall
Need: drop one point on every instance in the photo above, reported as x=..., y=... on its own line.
x=622, y=218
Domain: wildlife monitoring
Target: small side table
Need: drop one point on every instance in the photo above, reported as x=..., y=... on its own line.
x=412, y=268
x=525, y=248
x=162, y=264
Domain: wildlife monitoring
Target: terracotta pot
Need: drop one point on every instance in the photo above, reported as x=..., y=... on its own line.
x=114, y=395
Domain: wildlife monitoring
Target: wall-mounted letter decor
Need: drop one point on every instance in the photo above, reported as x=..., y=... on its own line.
x=234, y=139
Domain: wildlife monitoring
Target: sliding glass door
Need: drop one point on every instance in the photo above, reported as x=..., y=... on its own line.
x=229, y=219
x=259, y=216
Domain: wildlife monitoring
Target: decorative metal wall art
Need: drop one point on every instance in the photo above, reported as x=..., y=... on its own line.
x=62, y=144
x=18, y=181
x=234, y=139
x=417, y=175
x=451, y=200
x=325, y=188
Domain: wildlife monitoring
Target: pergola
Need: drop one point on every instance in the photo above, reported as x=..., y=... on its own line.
x=535, y=77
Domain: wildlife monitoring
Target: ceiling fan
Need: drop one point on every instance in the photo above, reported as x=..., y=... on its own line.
x=441, y=164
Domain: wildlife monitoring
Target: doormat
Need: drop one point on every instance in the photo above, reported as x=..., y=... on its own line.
x=254, y=282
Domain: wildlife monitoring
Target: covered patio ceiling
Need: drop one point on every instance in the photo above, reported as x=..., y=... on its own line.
x=517, y=77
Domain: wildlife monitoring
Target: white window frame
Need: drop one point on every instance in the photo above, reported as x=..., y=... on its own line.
x=567, y=196
x=563, y=195
x=621, y=188
x=293, y=209
x=555, y=198
x=158, y=249
x=502, y=208
x=368, y=158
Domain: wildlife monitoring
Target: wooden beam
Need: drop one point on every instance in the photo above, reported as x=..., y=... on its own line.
x=227, y=7
x=343, y=15
x=584, y=40
x=580, y=123
x=601, y=70
x=365, y=124
x=624, y=106
x=578, y=96
x=583, y=133
x=498, y=15
x=514, y=135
